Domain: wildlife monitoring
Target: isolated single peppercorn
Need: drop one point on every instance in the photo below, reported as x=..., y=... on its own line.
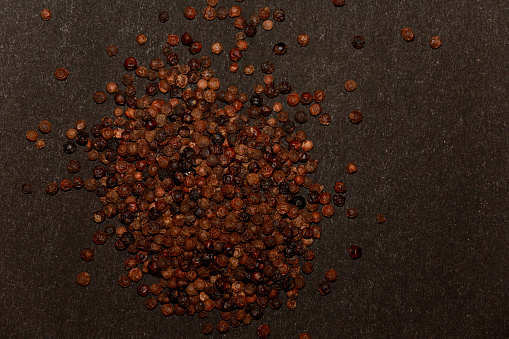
x=306, y=335
x=83, y=279
x=325, y=119
x=325, y=287
x=130, y=64
x=39, y=144
x=351, y=168
x=407, y=34
x=350, y=85
x=303, y=39
x=355, y=117
x=235, y=54
x=307, y=268
x=87, y=254
x=352, y=213
x=279, y=48
x=111, y=50
x=435, y=42
x=355, y=252
x=44, y=126
x=189, y=13
x=163, y=16
x=217, y=48
x=328, y=211
x=141, y=39
x=31, y=135
x=331, y=275
x=100, y=97
x=61, y=73
x=263, y=331
x=52, y=188
x=380, y=218
x=358, y=42
x=207, y=328
x=279, y=15
x=45, y=14
x=338, y=3
x=26, y=189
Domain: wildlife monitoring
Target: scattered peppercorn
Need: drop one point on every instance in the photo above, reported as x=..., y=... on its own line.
x=303, y=39
x=141, y=39
x=279, y=15
x=223, y=326
x=249, y=70
x=163, y=16
x=355, y=117
x=352, y=213
x=44, y=126
x=268, y=25
x=351, y=168
x=355, y=252
x=325, y=119
x=435, y=42
x=61, y=73
x=124, y=281
x=69, y=147
x=74, y=166
x=263, y=331
x=358, y=42
x=26, y=189
x=407, y=34
x=305, y=335
x=209, y=13
x=350, y=85
x=100, y=97
x=279, y=48
x=87, y=254
x=39, y=144
x=338, y=3
x=45, y=14
x=217, y=48
x=331, y=275
x=111, y=50
x=83, y=279
x=31, y=135
x=189, y=13
x=325, y=287
x=380, y=218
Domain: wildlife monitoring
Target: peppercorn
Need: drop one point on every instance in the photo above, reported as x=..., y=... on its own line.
x=100, y=97
x=26, y=189
x=31, y=135
x=151, y=303
x=217, y=48
x=87, y=254
x=263, y=331
x=325, y=119
x=407, y=34
x=163, y=16
x=355, y=117
x=328, y=211
x=352, y=213
x=355, y=252
x=209, y=13
x=234, y=11
x=338, y=200
x=249, y=70
x=235, y=54
x=61, y=73
x=380, y=218
x=435, y=42
x=83, y=279
x=234, y=67
x=207, y=328
x=130, y=64
x=351, y=168
x=74, y=166
x=69, y=147
x=307, y=268
x=350, y=85
x=45, y=14
x=189, y=13
x=39, y=144
x=303, y=39
x=325, y=287
x=52, y=188
x=141, y=39
x=264, y=13
x=279, y=48
x=279, y=15
x=111, y=50
x=124, y=281
x=44, y=126
x=331, y=275
x=223, y=326
x=268, y=25
x=306, y=335
x=358, y=42
x=301, y=117
x=222, y=13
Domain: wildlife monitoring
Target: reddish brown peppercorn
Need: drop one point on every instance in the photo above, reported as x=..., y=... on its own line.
x=207, y=328
x=61, y=73
x=39, y=144
x=87, y=254
x=279, y=15
x=111, y=50
x=31, y=135
x=173, y=40
x=351, y=168
x=209, y=13
x=407, y=34
x=124, y=281
x=130, y=64
x=189, y=13
x=305, y=335
x=303, y=39
x=279, y=48
x=141, y=39
x=52, y=188
x=268, y=25
x=263, y=331
x=355, y=117
x=435, y=42
x=340, y=187
x=328, y=211
x=293, y=99
x=338, y=3
x=45, y=14
x=163, y=16
x=350, y=85
x=355, y=252
x=325, y=119
x=217, y=48
x=331, y=275
x=380, y=218
x=44, y=126
x=100, y=97
x=73, y=166
x=307, y=268
x=325, y=287
x=352, y=213
x=83, y=279
x=358, y=42
x=235, y=54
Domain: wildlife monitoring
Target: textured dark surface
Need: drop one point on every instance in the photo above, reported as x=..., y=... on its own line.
x=432, y=156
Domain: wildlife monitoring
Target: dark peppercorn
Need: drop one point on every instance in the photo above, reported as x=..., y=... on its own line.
x=151, y=303
x=307, y=268
x=100, y=97
x=52, y=188
x=250, y=30
x=189, y=13
x=331, y=275
x=87, y=254
x=195, y=47
x=164, y=16
x=207, y=328
x=380, y=219
x=74, y=166
x=325, y=119
x=338, y=200
x=186, y=39
x=77, y=183
x=279, y=48
x=69, y=147
x=325, y=287
x=111, y=50
x=26, y=189
x=279, y=15
x=263, y=331
x=352, y=213
x=358, y=42
x=124, y=281
x=223, y=326
x=222, y=13
x=130, y=64
x=305, y=335
x=355, y=252
x=355, y=117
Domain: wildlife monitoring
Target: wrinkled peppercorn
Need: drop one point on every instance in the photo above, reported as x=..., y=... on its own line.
x=358, y=42
x=407, y=34
x=52, y=188
x=325, y=287
x=141, y=39
x=31, y=135
x=83, y=279
x=39, y=144
x=45, y=14
x=111, y=50
x=355, y=252
x=303, y=39
x=279, y=48
x=100, y=97
x=355, y=117
x=435, y=42
x=124, y=281
x=44, y=126
x=61, y=73
x=351, y=168
x=207, y=328
x=223, y=326
x=380, y=218
x=306, y=335
x=352, y=213
x=74, y=166
x=325, y=119
x=350, y=85
x=331, y=275
x=263, y=331
x=189, y=13
x=130, y=64
x=163, y=16
x=279, y=15
x=87, y=254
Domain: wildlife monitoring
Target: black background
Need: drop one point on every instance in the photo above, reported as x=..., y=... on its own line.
x=432, y=156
